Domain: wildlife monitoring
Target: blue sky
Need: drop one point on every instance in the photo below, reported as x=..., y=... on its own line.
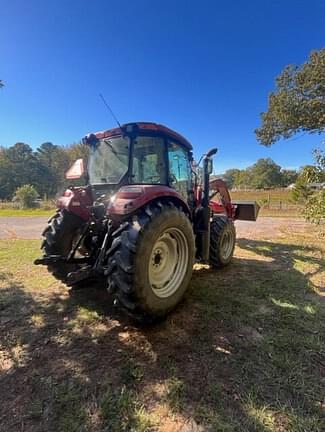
x=203, y=68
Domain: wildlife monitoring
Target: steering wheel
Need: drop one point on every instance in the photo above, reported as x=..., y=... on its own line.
x=153, y=177
x=173, y=178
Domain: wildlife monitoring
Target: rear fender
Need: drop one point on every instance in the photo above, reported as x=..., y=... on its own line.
x=129, y=199
x=77, y=201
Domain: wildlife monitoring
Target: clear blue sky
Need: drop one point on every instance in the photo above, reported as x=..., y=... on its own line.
x=202, y=67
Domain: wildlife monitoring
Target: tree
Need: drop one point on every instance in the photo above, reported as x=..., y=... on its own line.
x=54, y=161
x=231, y=177
x=26, y=196
x=298, y=103
x=265, y=173
x=288, y=177
x=314, y=210
x=18, y=166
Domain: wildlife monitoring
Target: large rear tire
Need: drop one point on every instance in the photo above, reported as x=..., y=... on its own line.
x=222, y=241
x=151, y=261
x=59, y=235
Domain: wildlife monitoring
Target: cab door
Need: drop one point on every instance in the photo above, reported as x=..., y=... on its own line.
x=180, y=173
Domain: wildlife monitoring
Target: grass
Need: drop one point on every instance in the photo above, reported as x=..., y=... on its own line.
x=274, y=196
x=8, y=212
x=244, y=352
x=274, y=203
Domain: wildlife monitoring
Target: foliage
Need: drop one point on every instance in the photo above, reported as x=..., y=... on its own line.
x=265, y=173
x=315, y=204
x=43, y=168
x=315, y=209
x=298, y=103
x=26, y=196
x=288, y=177
x=231, y=176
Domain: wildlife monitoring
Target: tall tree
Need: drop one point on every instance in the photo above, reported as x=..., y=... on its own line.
x=265, y=173
x=18, y=166
x=54, y=161
x=298, y=103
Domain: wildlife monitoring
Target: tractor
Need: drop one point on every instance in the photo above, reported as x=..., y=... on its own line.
x=147, y=213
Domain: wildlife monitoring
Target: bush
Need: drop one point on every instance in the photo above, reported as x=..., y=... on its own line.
x=26, y=196
x=315, y=209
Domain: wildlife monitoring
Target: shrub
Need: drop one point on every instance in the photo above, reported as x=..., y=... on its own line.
x=315, y=209
x=26, y=196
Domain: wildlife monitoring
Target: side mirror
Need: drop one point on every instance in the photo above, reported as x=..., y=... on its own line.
x=76, y=170
x=212, y=152
x=210, y=166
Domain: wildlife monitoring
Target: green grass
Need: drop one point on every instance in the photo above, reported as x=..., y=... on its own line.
x=274, y=203
x=244, y=352
x=274, y=196
x=7, y=212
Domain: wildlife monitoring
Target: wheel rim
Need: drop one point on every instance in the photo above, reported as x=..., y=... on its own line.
x=227, y=244
x=168, y=262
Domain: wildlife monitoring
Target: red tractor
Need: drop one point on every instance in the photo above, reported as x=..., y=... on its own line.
x=144, y=218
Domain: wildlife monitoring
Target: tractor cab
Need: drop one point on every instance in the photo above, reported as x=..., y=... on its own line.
x=139, y=154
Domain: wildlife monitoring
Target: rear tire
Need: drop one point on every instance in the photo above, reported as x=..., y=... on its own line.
x=222, y=241
x=59, y=235
x=151, y=260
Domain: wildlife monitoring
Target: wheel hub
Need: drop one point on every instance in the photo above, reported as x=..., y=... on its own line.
x=168, y=262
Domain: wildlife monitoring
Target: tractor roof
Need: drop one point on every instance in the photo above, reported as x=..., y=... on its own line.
x=146, y=126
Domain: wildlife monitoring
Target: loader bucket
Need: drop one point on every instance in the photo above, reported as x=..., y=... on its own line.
x=246, y=210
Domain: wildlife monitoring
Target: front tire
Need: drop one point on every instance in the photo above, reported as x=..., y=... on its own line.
x=59, y=235
x=151, y=261
x=222, y=241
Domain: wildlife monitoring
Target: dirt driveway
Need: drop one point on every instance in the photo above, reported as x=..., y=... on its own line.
x=265, y=227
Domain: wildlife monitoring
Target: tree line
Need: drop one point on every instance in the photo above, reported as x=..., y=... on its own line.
x=43, y=168
x=264, y=174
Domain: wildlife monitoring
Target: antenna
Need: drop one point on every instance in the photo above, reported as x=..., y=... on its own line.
x=110, y=110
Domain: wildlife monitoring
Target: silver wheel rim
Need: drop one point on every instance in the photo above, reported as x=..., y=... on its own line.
x=227, y=243
x=168, y=263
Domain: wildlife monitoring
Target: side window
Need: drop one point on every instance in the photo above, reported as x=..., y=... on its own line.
x=179, y=168
x=148, y=163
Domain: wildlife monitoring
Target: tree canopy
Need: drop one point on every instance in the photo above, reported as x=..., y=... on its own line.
x=264, y=174
x=43, y=169
x=298, y=103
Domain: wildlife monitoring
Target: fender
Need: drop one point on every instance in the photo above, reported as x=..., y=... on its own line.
x=130, y=198
x=76, y=200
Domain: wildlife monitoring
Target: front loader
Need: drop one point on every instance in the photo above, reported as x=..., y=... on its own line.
x=146, y=215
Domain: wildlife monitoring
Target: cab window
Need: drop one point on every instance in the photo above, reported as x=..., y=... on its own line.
x=179, y=168
x=148, y=161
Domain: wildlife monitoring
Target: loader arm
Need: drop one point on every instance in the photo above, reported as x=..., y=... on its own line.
x=241, y=210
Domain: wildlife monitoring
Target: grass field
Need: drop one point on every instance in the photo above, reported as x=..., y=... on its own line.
x=25, y=212
x=275, y=203
x=244, y=352
x=274, y=196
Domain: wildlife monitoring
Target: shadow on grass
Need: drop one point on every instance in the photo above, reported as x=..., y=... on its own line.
x=244, y=352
